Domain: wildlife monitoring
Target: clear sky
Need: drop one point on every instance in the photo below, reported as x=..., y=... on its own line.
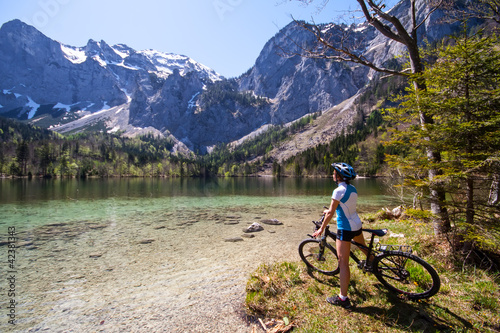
x=226, y=35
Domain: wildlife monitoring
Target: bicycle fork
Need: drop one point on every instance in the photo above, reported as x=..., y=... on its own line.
x=321, y=251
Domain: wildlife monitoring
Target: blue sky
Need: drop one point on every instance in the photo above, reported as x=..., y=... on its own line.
x=226, y=35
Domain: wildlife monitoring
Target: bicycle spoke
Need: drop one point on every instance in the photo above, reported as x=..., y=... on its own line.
x=407, y=274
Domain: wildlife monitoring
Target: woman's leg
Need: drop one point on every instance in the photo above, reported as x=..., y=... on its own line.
x=343, y=251
x=360, y=239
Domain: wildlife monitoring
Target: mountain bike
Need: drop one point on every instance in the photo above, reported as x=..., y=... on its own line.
x=393, y=265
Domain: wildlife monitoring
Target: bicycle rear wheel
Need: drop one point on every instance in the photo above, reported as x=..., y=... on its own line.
x=322, y=258
x=406, y=274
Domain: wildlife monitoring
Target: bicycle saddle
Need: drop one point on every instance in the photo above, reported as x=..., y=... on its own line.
x=378, y=232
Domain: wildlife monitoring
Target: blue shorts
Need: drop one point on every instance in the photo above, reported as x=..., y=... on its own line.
x=347, y=235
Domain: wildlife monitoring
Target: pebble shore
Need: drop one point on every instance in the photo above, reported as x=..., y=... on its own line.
x=160, y=271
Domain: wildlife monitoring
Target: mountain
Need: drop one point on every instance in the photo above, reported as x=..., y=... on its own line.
x=50, y=83
x=113, y=88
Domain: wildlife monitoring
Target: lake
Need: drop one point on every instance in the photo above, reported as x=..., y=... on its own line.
x=140, y=254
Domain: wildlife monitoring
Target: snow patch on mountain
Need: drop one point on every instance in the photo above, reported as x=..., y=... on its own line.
x=129, y=96
x=166, y=63
x=122, y=50
x=100, y=61
x=192, y=101
x=74, y=54
x=63, y=106
x=34, y=107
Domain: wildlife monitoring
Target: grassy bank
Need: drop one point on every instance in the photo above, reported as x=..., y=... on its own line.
x=468, y=300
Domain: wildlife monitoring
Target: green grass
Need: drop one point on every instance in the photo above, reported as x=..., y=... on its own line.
x=468, y=300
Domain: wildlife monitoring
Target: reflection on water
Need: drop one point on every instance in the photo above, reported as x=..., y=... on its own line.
x=30, y=191
x=150, y=254
x=39, y=201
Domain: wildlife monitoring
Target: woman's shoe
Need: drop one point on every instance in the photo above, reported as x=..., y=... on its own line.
x=337, y=301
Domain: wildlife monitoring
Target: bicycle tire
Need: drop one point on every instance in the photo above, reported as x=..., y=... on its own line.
x=327, y=263
x=407, y=275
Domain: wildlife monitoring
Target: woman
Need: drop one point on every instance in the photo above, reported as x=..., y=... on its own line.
x=344, y=199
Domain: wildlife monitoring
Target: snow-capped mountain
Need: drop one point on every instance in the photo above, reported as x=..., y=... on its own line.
x=115, y=87
x=42, y=76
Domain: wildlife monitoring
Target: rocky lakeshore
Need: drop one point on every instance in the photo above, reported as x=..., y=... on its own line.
x=170, y=268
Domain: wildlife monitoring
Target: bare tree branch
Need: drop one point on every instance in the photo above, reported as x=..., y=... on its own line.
x=383, y=28
x=341, y=51
x=435, y=7
x=483, y=9
x=491, y=10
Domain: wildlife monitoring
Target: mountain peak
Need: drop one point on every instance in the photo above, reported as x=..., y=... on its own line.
x=15, y=24
x=19, y=28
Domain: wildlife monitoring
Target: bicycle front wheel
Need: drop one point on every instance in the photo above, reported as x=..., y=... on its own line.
x=322, y=258
x=406, y=274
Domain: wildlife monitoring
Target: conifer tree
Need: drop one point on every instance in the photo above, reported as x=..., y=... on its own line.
x=463, y=98
x=22, y=154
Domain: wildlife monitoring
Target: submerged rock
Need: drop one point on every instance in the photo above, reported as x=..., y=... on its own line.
x=146, y=241
x=234, y=239
x=97, y=226
x=56, y=224
x=272, y=222
x=254, y=227
x=231, y=222
x=159, y=227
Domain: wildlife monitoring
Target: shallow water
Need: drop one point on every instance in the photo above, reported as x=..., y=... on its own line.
x=147, y=254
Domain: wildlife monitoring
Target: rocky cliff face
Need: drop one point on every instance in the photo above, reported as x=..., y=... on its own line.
x=299, y=85
x=35, y=70
x=51, y=83
x=40, y=75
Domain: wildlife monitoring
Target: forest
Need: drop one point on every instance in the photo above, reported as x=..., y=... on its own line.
x=29, y=151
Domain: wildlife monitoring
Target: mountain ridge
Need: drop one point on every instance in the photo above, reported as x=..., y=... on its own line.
x=64, y=87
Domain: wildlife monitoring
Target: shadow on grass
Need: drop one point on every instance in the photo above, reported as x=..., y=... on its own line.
x=331, y=281
x=413, y=316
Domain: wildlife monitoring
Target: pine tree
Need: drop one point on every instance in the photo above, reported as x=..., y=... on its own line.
x=22, y=154
x=463, y=98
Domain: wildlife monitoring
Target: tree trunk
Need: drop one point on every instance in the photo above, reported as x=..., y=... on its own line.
x=440, y=220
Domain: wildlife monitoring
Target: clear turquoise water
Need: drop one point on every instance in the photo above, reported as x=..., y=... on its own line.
x=30, y=191
x=82, y=263
x=27, y=203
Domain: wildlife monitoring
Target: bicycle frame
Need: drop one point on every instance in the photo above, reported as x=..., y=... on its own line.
x=394, y=266
x=370, y=249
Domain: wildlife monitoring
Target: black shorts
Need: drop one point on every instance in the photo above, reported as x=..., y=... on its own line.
x=347, y=235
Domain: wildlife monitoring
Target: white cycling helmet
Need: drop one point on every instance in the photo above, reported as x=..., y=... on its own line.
x=345, y=170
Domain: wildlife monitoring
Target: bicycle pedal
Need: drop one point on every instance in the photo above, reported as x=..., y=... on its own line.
x=366, y=268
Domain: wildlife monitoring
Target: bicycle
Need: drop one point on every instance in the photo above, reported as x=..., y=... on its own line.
x=394, y=266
